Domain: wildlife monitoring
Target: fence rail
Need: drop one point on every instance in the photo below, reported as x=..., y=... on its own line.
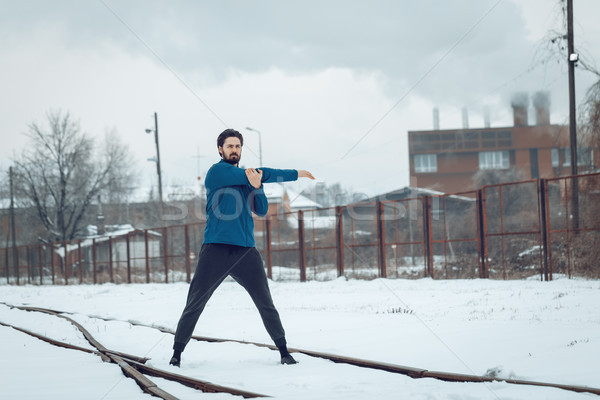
x=504, y=231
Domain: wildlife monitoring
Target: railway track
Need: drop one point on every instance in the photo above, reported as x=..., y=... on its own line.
x=136, y=368
x=132, y=366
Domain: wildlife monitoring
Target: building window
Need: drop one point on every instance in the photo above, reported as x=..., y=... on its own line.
x=555, y=158
x=425, y=163
x=494, y=160
x=585, y=156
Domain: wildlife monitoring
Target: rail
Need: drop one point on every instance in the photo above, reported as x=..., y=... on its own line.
x=135, y=367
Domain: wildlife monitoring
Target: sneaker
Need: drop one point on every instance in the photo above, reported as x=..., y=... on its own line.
x=176, y=362
x=288, y=359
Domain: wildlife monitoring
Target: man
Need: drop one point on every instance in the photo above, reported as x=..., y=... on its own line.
x=232, y=195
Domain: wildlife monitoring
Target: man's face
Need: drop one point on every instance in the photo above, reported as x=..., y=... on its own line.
x=231, y=151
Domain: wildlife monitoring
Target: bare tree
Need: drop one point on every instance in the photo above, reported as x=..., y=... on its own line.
x=60, y=174
x=589, y=117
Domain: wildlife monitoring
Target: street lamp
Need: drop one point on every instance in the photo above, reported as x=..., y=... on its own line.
x=259, y=143
x=157, y=159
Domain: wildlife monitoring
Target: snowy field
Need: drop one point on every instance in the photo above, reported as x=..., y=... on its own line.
x=542, y=331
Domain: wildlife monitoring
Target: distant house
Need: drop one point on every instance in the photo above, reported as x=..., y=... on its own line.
x=283, y=200
x=286, y=202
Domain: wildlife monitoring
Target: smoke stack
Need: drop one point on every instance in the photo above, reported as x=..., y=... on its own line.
x=436, y=119
x=486, y=117
x=465, y=117
x=541, y=102
x=520, y=103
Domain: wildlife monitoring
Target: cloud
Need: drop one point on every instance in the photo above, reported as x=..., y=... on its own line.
x=314, y=77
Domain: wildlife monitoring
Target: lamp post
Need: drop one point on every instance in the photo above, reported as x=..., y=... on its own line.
x=259, y=144
x=157, y=159
x=573, y=58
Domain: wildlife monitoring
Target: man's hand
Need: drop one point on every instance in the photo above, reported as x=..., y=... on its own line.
x=305, y=174
x=254, y=177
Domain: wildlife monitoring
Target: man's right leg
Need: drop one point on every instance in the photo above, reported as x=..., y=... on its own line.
x=208, y=276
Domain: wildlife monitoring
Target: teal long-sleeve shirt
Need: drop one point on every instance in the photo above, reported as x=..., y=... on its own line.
x=231, y=200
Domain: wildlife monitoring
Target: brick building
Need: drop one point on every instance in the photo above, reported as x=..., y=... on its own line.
x=448, y=160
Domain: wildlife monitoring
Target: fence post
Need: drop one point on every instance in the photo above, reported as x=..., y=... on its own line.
x=481, y=228
x=94, y=264
x=427, y=236
x=268, y=249
x=41, y=268
x=147, y=257
x=28, y=256
x=544, y=227
x=52, y=263
x=128, y=258
x=65, y=263
x=79, y=255
x=110, y=258
x=302, y=255
x=339, y=243
x=188, y=267
x=16, y=261
x=6, y=265
x=165, y=254
x=381, y=241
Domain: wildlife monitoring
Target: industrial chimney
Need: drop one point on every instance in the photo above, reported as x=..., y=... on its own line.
x=520, y=103
x=541, y=102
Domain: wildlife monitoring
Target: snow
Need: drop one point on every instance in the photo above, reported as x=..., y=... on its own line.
x=543, y=331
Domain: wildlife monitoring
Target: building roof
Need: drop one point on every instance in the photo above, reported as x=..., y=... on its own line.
x=409, y=192
x=276, y=193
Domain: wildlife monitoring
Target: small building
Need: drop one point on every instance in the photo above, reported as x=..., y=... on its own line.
x=111, y=248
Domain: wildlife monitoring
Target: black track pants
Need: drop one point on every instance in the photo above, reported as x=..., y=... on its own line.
x=215, y=263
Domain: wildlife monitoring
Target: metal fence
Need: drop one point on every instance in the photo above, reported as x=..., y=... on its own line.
x=505, y=231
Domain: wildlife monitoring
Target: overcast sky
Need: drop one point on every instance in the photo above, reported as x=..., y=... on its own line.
x=333, y=86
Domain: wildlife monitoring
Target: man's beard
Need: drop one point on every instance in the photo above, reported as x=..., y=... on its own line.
x=231, y=159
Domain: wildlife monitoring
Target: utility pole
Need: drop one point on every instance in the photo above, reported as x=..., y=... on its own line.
x=12, y=224
x=572, y=58
x=160, y=192
x=158, y=172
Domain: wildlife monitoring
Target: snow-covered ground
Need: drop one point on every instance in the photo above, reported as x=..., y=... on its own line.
x=543, y=331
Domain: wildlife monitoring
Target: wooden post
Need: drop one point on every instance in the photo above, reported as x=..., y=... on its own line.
x=427, y=236
x=66, y=263
x=188, y=267
x=301, y=250
x=481, y=230
x=28, y=256
x=543, y=197
x=165, y=254
x=41, y=268
x=268, y=248
x=110, y=258
x=147, y=257
x=79, y=254
x=339, y=243
x=95, y=267
x=381, y=261
x=128, y=258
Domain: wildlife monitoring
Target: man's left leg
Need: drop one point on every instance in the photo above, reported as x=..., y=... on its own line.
x=250, y=273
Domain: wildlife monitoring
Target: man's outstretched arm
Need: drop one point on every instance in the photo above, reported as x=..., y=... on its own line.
x=257, y=176
x=283, y=175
